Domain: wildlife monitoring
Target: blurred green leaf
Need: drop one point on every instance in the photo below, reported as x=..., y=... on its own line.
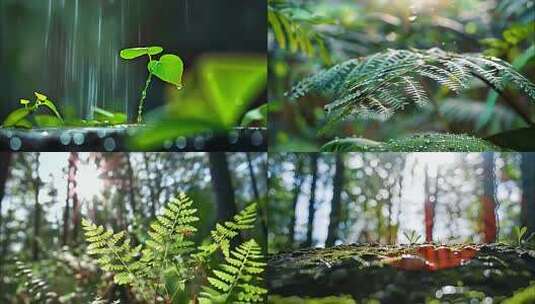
x=49, y=104
x=231, y=83
x=259, y=114
x=24, y=123
x=169, y=69
x=16, y=116
x=47, y=121
x=109, y=117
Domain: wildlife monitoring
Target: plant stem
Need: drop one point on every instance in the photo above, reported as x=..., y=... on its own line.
x=515, y=106
x=142, y=100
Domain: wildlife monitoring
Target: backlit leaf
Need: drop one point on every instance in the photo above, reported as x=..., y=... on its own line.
x=169, y=69
x=133, y=53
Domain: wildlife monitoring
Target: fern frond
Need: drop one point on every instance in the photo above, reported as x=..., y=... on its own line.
x=113, y=251
x=386, y=82
x=224, y=233
x=293, y=29
x=38, y=288
x=169, y=232
x=414, y=143
x=236, y=280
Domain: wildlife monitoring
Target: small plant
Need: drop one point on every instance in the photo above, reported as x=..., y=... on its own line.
x=168, y=68
x=20, y=117
x=412, y=236
x=169, y=266
x=520, y=235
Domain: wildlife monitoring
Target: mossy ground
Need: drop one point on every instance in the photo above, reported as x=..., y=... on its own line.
x=427, y=142
x=358, y=274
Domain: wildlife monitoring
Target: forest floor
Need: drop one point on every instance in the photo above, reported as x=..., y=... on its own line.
x=359, y=273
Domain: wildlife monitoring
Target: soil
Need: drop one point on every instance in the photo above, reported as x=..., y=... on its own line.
x=362, y=273
x=108, y=139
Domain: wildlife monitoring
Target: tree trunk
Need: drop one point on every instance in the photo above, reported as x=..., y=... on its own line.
x=71, y=174
x=312, y=201
x=150, y=185
x=298, y=183
x=488, y=200
x=528, y=191
x=74, y=200
x=222, y=185
x=429, y=210
x=131, y=187
x=5, y=158
x=256, y=193
x=336, y=204
x=37, y=211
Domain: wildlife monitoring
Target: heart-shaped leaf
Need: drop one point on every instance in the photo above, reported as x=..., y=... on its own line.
x=14, y=117
x=169, y=69
x=133, y=53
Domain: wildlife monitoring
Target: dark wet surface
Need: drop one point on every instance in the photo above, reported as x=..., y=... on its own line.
x=493, y=273
x=118, y=139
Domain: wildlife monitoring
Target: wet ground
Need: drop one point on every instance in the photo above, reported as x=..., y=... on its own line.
x=118, y=138
x=401, y=274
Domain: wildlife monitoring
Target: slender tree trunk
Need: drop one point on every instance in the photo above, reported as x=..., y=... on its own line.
x=74, y=200
x=222, y=185
x=298, y=183
x=256, y=193
x=488, y=201
x=312, y=201
x=336, y=202
x=131, y=186
x=429, y=210
x=150, y=185
x=5, y=158
x=528, y=191
x=71, y=174
x=37, y=211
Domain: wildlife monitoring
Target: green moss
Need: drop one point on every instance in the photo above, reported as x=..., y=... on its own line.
x=429, y=142
x=524, y=296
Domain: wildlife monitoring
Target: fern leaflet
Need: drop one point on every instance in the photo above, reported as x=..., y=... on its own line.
x=234, y=282
x=384, y=83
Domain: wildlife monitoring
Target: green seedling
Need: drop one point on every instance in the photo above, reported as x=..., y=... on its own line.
x=520, y=235
x=169, y=68
x=412, y=236
x=256, y=116
x=20, y=117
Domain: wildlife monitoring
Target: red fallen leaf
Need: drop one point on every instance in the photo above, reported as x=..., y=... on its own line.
x=410, y=262
x=431, y=258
